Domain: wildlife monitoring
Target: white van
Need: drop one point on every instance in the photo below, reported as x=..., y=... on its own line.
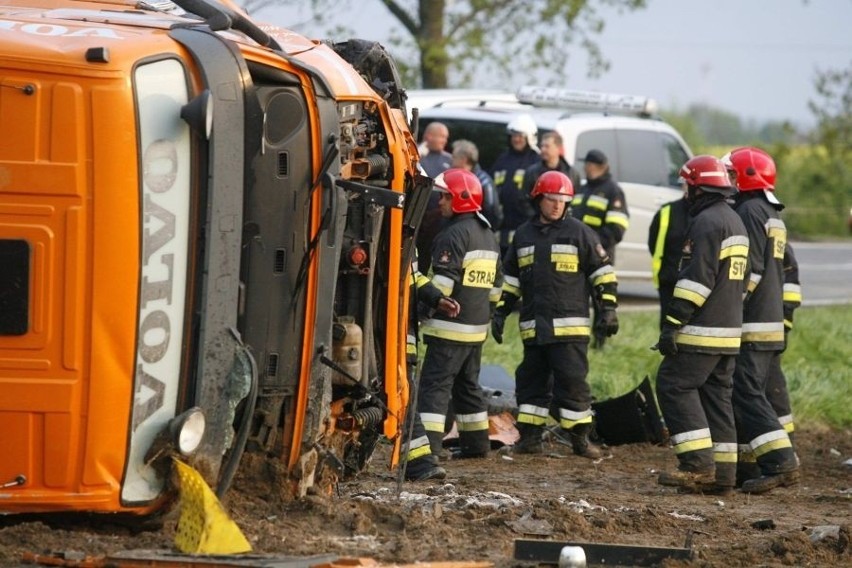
x=644, y=152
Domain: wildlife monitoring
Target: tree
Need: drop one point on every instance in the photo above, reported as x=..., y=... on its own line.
x=833, y=110
x=506, y=39
x=814, y=181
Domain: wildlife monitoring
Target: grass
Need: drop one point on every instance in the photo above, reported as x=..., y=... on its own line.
x=817, y=363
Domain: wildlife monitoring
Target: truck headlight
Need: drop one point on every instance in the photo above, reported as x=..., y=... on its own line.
x=187, y=430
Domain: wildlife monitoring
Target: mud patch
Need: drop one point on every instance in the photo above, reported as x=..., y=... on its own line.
x=484, y=505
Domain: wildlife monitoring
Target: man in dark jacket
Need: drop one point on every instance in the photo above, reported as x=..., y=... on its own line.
x=551, y=265
x=601, y=205
x=463, y=291
x=508, y=174
x=701, y=335
x=551, y=160
x=434, y=160
x=466, y=156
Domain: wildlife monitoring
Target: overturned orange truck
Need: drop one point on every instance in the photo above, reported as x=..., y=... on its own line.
x=205, y=233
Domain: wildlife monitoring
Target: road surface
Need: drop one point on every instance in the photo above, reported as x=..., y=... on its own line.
x=825, y=270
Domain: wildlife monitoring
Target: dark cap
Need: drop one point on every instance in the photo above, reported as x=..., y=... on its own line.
x=595, y=157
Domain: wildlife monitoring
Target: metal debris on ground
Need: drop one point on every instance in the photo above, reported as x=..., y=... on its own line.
x=547, y=552
x=581, y=506
x=447, y=497
x=823, y=532
x=527, y=525
x=687, y=517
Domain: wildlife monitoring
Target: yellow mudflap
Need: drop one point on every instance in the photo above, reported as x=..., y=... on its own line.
x=204, y=526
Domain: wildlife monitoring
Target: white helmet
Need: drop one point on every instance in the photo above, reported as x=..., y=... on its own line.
x=524, y=124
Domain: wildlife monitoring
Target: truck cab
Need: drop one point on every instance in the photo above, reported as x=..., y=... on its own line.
x=205, y=227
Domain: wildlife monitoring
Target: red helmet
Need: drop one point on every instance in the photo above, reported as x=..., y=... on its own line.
x=553, y=183
x=464, y=187
x=755, y=169
x=708, y=173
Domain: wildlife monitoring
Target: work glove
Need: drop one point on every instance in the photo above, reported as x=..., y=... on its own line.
x=666, y=343
x=789, y=308
x=788, y=322
x=498, y=321
x=607, y=323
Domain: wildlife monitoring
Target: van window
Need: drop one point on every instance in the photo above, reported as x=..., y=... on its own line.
x=640, y=157
x=675, y=156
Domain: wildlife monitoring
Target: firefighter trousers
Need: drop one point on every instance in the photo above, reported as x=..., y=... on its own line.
x=553, y=376
x=451, y=371
x=694, y=391
x=757, y=424
x=416, y=448
x=778, y=396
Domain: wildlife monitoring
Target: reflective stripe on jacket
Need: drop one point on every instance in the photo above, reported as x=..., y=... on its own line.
x=707, y=301
x=552, y=267
x=466, y=267
x=601, y=205
x=763, y=310
x=665, y=241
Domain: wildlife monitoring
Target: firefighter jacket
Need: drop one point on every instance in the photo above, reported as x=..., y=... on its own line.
x=553, y=267
x=792, y=286
x=707, y=303
x=508, y=174
x=763, y=309
x=665, y=241
x=466, y=267
x=491, y=208
x=601, y=205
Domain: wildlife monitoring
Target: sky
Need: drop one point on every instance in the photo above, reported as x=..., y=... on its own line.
x=754, y=58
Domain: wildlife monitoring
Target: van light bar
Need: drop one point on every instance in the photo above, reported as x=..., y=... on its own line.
x=587, y=100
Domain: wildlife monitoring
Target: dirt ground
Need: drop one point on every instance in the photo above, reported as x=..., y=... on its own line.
x=484, y=505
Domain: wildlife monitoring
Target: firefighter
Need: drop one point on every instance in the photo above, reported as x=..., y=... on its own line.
x=508, y=173
x=462, y=292
x=420, y=463
x=602, y=206
x=701, y=335
x=551, y=264
x=759, y=430
x=665, y=241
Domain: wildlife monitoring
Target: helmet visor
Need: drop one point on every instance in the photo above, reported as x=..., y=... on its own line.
x=556, y=197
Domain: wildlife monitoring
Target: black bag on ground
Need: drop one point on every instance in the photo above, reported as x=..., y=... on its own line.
x=630, y=418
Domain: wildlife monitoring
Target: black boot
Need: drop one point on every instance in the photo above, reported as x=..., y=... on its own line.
x=747, y=467
x=766, y=482
x=474, y=444
x=424, y=468
x=530, y=441
x=436, y=445
x=579, y=436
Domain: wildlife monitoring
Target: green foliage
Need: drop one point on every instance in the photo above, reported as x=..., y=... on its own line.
x=814, y=179
x=702, y=125
x=833, y=109
x=816, y=363
x=510, y=41
x=815, y=185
